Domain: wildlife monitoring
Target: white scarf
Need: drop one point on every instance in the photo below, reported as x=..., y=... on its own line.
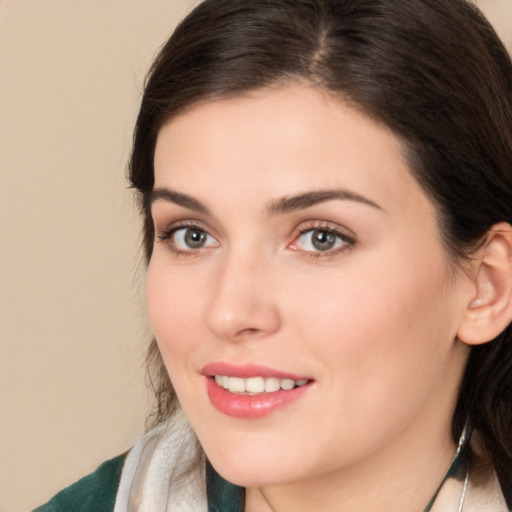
x=150, y=479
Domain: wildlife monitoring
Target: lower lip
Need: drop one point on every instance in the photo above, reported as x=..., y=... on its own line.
x=251, y=406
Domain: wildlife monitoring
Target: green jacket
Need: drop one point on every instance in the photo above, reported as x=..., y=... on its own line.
x=97, y=492
x=93, y=493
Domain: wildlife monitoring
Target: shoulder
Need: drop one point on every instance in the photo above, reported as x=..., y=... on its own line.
x=94, y=493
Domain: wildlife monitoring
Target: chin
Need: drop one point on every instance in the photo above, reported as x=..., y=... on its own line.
x=255, y=463
x=255, y=473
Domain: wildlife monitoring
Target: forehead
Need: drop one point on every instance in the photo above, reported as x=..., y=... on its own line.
x=280, y=141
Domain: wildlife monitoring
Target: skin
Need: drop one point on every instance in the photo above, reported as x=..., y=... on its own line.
x=372, y=321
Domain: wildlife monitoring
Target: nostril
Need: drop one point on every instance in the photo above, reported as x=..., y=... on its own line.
x=251, y=331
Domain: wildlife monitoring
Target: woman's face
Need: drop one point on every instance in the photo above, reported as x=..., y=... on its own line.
x=294, y=250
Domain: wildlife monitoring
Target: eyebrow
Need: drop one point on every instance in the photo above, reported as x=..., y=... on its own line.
x=305, y=200
x=177, y=198
x=281, y=206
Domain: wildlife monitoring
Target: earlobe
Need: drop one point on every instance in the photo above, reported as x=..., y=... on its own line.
x=489, y=311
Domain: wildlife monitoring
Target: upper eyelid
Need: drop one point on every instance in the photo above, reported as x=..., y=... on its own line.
x=162, y=208
x=288, y=205
x=174, y=225
x=311, y=225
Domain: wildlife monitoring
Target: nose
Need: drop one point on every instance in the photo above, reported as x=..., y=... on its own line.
x=243, y=305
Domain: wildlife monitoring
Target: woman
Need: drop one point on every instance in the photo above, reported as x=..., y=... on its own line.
x=326, y=189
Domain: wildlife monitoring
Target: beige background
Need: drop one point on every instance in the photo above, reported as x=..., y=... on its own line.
x=72, y=331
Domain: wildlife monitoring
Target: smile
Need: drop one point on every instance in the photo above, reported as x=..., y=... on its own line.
x=252, y=391
x=257, y=385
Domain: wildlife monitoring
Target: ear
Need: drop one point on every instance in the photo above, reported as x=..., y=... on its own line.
x=489, y=311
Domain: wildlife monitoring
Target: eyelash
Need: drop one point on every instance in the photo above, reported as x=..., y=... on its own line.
x=348, y=242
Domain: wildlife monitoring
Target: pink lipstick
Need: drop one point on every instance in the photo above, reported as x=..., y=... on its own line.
x=252, y=391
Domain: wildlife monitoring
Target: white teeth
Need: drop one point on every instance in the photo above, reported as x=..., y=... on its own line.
x=287, y=384
x=272, y=384
x=255, y=385
x=236, y=385
x=222, y=381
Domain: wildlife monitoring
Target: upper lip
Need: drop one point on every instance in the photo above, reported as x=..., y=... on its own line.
x=246, y=371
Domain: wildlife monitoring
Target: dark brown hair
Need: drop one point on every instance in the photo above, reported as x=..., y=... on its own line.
x=433, y=71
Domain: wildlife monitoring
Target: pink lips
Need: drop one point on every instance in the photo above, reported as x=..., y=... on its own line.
x=247, y=370
x=249, y=406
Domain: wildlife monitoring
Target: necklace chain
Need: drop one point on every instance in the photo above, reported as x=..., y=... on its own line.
x=464, y=490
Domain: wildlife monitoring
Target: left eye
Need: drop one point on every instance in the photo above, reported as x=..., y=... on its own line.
x=188, y=238
x=320, y=240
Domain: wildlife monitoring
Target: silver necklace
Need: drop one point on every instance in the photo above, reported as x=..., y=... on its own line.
x=464, y=489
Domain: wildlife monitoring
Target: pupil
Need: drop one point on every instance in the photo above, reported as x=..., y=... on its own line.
x=323, y=240
x=195, y=238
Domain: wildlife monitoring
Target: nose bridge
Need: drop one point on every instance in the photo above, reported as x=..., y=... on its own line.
x=242, y=303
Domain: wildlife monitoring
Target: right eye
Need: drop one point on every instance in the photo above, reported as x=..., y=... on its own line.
x=188, y=238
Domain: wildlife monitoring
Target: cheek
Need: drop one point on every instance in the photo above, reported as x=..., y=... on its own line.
x=394, y=327
x=381, y=348
x=173, y=303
